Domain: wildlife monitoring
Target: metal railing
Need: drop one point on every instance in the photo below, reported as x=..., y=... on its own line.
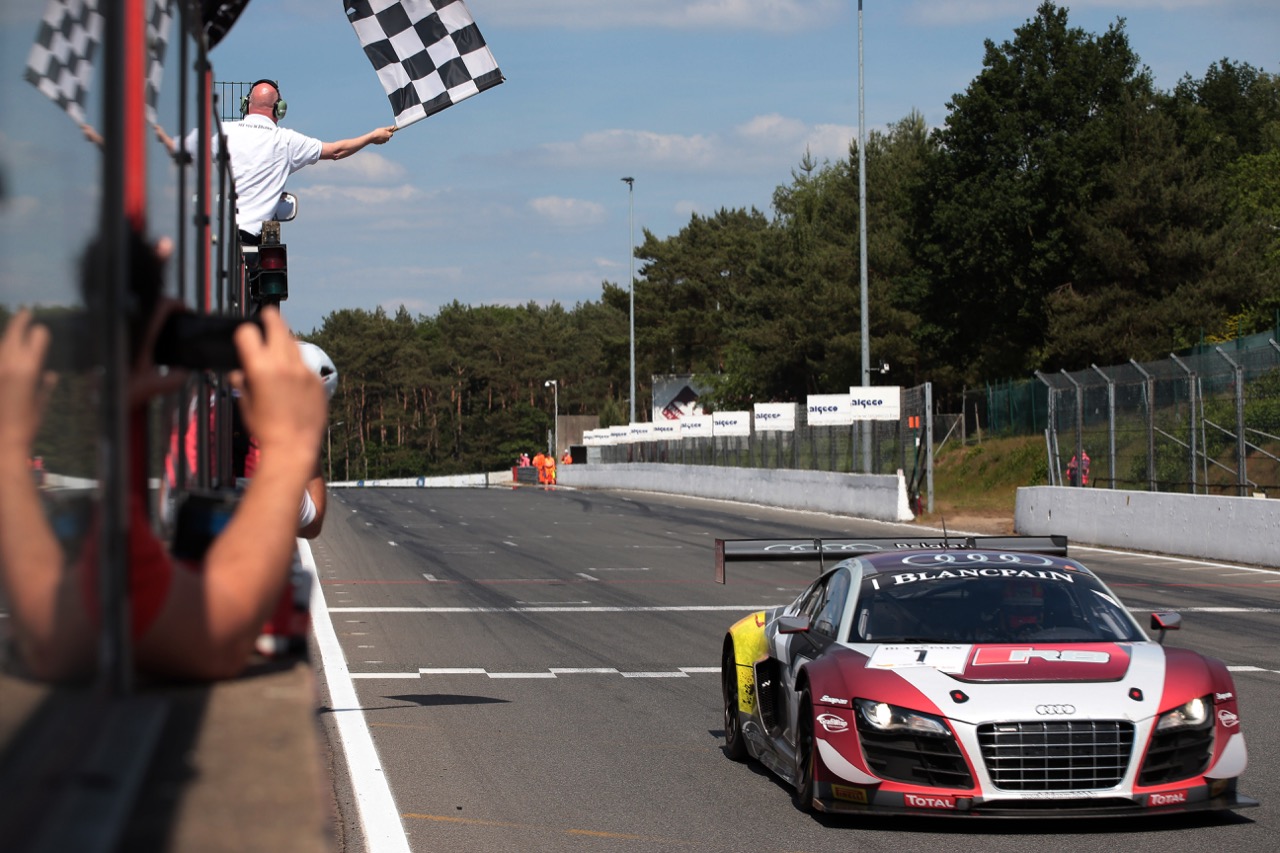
x=1207, y=423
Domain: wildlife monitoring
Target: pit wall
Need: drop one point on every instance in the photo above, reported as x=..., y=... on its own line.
x=1242, y=530
x=457, y=481
x=879, y=496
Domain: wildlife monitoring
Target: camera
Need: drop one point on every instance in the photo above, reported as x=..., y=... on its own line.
x=187, y=340
x=202, y=515
x=200, y=341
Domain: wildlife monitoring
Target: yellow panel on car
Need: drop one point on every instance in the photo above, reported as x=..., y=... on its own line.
x=749, y=646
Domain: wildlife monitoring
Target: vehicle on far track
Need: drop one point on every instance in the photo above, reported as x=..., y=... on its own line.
x=977, y=676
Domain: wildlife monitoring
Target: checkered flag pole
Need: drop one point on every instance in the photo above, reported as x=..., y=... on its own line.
x=67, y=45
x=429, y=54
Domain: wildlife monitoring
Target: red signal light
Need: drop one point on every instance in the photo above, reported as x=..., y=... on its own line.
x=272, y=257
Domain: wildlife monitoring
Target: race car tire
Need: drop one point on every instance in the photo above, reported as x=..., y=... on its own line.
x=735, y=745
x=806, y=755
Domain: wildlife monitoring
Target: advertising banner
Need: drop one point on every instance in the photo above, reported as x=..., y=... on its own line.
x=829, y=409
x=876, y=403
x=675, y=397
x=666, y=430
x=696, y=426
x=775, y=417
x=597, y=437
x=731, y=423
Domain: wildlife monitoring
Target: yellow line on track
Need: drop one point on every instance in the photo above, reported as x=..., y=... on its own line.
x=620, y=836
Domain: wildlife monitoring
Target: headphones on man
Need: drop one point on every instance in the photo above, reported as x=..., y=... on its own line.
x=281, y=107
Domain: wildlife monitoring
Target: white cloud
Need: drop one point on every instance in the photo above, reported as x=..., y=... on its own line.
x=686, y=209
x=767, y=15
x=772, y=128
x=415, y=306
x=947, y=13
x=568, y=212
x=830, y=141
x=761, y=141
x=371, y=196
x=365, y=167
x=636, y=147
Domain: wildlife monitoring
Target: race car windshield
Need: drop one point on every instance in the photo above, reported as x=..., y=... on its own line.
x=997, y=605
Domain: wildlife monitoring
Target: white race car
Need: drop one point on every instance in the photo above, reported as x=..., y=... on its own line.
x=983, y=677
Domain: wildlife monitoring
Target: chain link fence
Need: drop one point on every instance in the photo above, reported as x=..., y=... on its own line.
x=868, y=447
x=1205, y=423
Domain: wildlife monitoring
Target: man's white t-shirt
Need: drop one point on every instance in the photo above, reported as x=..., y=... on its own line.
x=263, y=156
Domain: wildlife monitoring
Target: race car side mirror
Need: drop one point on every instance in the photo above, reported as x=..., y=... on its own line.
x=1165, y=621
x=793, y=624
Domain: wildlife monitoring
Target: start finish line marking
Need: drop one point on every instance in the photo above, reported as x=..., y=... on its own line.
x=695, y=608
x=557, y=672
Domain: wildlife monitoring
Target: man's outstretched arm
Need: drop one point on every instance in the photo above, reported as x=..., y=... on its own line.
x=346, y=147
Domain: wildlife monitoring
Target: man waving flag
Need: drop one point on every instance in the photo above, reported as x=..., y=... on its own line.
x=429, y=54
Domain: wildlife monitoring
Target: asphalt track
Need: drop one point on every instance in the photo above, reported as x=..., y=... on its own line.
x=537, y=670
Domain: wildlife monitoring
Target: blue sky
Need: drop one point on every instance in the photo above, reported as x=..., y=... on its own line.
x=516, y=195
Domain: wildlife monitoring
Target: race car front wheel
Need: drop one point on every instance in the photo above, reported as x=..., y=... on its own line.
x=734, y=745
x=806, y=757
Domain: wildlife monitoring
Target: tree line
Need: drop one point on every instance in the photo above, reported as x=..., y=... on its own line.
x=1066, y=213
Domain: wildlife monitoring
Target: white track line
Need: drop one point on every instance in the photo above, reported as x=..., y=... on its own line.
x=688, y=608
x=379, y=818
x=553, y=672
x=556, y=672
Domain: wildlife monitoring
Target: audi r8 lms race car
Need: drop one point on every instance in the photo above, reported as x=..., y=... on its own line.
x=979, y=676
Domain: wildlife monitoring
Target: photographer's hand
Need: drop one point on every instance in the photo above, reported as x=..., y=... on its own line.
x=283, y=403
x=45, y=616
x=282, y=400
x=24, y=384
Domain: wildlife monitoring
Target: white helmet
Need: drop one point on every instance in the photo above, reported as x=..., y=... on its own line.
x=319, y=361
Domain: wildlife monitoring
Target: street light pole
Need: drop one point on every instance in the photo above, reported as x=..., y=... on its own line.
x=555, y=421
x=631, y=253
x=862, y=242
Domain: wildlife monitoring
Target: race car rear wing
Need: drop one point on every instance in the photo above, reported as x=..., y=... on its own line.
x=729, y=550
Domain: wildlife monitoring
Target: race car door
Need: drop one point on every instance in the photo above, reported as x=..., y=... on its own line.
x=823, y=605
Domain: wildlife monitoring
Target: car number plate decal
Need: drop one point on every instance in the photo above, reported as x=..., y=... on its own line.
x=942, y=658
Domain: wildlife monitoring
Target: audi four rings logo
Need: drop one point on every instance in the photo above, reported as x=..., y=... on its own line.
x=1055, y=710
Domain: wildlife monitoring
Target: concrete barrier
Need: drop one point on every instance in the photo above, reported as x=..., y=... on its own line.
x=1242, y=530
x=878, y=496
x=456, y=481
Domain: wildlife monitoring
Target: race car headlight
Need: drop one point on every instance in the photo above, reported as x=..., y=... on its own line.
x=890, y=718
x=1192, y=714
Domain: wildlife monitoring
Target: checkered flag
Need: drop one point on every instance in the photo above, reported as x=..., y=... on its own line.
x=429, y=54
x=61, y=60
x=159, y=19
x=67, y=45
